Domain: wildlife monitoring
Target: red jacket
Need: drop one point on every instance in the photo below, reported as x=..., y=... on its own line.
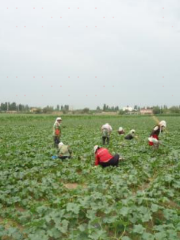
x=102, y=155
x=154, y=136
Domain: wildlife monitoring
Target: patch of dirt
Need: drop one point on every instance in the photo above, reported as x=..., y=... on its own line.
x=7, y=223
x=20, y=209
x=73, y=185
x=172, y=204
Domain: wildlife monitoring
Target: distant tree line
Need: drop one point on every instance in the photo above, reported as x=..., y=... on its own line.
x=107, y=108
x=165, y=110
x=8, y=107
x=14, y=107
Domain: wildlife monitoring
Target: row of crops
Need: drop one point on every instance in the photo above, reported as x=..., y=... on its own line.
x=47, y=199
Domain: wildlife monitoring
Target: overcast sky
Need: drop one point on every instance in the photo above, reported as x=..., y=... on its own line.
x=86, y=53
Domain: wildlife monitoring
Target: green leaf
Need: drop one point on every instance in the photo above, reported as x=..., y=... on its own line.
x=72, y=207
x=138, y=229
x=146, y=217
x=147, y=236
x=63, y=227
x=154, y=207
x=160, y=236
x=98, y=234
x=124, y=211
x=82, y=227
x=125, y=238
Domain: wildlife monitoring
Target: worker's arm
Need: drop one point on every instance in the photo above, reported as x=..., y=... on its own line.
x=70, y=151
x=57, y=129
x=96, y=160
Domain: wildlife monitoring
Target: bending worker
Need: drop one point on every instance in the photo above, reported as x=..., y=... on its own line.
x=106, y=132
x=121, y=131
x=131, y=135
x=154, y=136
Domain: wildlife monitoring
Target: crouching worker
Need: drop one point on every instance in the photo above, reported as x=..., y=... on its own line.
x=64, y=151
x=131, y=135
x=104, y=158
x=154, y=136
x=121, y=131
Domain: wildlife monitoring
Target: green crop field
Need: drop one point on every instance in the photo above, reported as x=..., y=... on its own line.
x=46, y=199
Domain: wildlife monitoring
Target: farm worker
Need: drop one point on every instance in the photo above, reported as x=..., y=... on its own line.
x=106, y=132
x=64, y=151
x=57, y=131
x=121, y=131
x=154, y=136
x=131, y=135
x=104, y=158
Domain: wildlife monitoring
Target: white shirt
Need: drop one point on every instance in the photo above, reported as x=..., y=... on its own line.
x=107, y=126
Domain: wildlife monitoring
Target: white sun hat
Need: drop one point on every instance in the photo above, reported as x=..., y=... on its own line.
x=120, y=129
x=60, y=144
x=59, y=118
x=95, y=148
x=162, y=123
x=132, y=131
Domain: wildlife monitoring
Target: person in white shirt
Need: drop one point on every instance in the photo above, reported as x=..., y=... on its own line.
x=106, y=132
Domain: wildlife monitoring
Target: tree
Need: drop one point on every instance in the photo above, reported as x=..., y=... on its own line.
x=156, y=110
x=3, y=106
x=112, y=109
x=21, y=107
x=66, y=107
x=104, y=107
x=26, y=108
x=85, y=110
x=57, y=108
x=174, y=109
x=48, y=109
x=12, y=106
x=121, y=112
x=38, y=110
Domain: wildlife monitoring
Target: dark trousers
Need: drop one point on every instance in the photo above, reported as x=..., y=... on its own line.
x=64, y=157
x=112, y=162
x=104, y=140
x=56, y=141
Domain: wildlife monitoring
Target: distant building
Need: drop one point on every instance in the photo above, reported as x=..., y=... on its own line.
x=128, y=109
x=11, y=111
x=32, y=110
x=146, y=111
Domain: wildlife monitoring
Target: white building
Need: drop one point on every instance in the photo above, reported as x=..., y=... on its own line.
x=129, y=109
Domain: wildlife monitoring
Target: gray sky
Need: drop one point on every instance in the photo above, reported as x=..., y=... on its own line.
x=118, y=52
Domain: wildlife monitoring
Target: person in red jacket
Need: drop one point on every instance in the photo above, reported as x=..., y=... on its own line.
x=154, y=136
x=104, y=158
x=121, y=131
